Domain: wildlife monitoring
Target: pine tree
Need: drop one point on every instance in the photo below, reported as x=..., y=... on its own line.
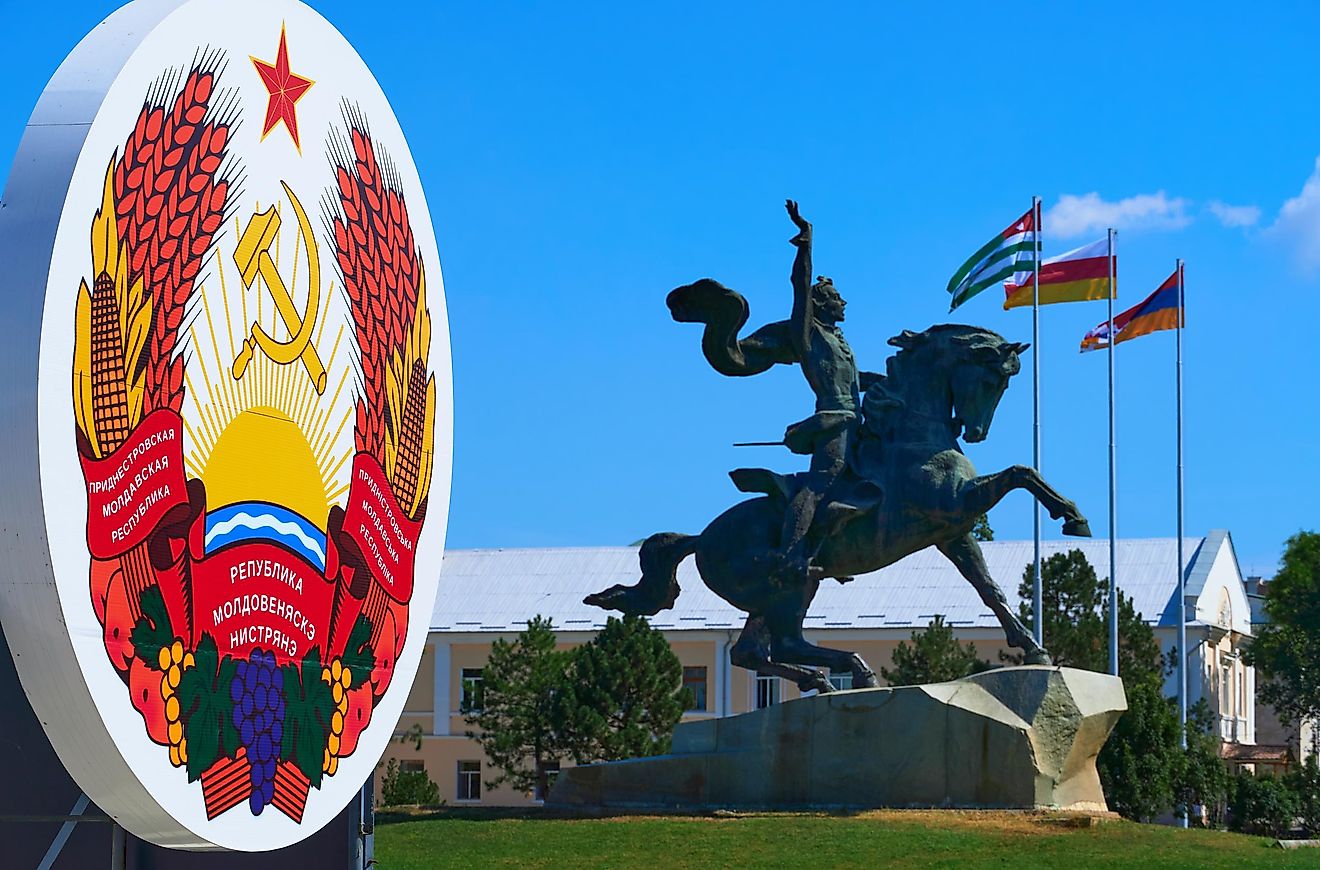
x=982, y=531
x=1077, y=619
x=625, y=693
x=934, y=657
x=1286, y=651
x=521, y=723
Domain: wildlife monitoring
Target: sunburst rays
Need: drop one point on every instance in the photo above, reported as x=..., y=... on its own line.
x=215, y=398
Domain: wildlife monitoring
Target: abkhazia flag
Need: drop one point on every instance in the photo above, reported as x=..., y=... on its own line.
x=1079, y=275
x=1157, y=311
x=1008, y=256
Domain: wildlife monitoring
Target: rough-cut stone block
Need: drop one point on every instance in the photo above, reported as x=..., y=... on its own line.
x=1008, y=738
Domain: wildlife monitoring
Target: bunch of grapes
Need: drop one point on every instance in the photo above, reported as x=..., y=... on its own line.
x=173, y=660
x=339, y=678
x=258, y=700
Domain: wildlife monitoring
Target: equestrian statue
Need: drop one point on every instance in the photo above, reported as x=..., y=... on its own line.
x=886, y=478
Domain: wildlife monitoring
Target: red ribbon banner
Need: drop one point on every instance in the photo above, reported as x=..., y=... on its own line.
x=379, y=528
x=257, y=594
x=131, y=490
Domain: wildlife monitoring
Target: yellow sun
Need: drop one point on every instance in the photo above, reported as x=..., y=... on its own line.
x=262, y=455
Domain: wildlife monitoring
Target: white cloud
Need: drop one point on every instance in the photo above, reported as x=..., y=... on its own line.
x=1298, y=223
x=1234, y=215
x=1076, y=215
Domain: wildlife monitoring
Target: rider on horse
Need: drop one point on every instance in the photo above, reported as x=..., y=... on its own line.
x=812, y=339
x=874, y=494
x=828, y=364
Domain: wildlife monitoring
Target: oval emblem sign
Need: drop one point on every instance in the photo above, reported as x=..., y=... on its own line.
x=228, y=420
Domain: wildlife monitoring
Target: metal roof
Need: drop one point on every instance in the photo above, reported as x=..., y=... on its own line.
x=500, y=589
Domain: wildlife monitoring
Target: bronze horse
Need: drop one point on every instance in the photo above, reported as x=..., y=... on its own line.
x=908, y=486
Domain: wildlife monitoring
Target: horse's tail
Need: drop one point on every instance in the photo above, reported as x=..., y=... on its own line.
x=658, y=588
x=725, y=312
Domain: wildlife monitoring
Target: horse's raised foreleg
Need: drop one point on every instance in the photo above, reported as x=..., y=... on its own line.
x=982, y=493
x=966, y=556
x=753, y=652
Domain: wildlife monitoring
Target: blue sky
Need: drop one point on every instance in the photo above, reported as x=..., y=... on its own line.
x=582, y=159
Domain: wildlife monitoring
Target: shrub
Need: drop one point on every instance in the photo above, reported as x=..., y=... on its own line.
x=401, y=787
x=1262, y=805
x=1305, y=783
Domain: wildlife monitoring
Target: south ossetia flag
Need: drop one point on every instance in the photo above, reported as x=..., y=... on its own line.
x=1079, y=275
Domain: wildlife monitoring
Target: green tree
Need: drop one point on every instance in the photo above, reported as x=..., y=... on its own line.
x=625, y=693
x=1139, y=762
x=1077, y=620
x=1200, y=776
x=1305, y=783
x=935, y=656
x=1286, y=650
x=521, y=723
x=982, y=531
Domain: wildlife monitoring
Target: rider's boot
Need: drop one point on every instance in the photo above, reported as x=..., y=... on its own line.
x=794, y=558
x=792, y=563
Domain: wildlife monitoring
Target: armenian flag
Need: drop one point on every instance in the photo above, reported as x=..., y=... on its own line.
x=1079, y=275
x=1008, y=256
x=1157, y=311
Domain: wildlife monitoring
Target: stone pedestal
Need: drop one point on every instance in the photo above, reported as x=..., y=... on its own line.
x=1012, y=738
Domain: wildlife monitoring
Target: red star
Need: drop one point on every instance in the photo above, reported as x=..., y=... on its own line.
x=285, y=88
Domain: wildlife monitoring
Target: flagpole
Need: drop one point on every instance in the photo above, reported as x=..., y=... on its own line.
x=1113, y=476
x=1182, y=567
x=1037, y=590
x=1182, y=580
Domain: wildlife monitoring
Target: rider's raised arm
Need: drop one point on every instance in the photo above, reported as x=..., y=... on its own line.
x=801, y=278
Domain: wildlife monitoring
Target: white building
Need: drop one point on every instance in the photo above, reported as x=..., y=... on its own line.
x=486, y=594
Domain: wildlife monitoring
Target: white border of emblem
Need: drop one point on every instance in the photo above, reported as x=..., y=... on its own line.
x=86, y=110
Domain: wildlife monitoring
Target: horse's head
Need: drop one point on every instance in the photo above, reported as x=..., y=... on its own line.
x=973, y=364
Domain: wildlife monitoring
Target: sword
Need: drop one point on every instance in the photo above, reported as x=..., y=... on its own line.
x=759, y=444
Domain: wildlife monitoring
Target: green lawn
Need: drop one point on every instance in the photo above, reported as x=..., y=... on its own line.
x=456, y=838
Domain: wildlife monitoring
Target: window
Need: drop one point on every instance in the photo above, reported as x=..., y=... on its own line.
x=412, y=765
x=469, y=781
x=473, y=692
x=551, y=770
x=694, y=680
x=767, y=691
x=1228, y=721
x=841, y=680
x=1242, y=697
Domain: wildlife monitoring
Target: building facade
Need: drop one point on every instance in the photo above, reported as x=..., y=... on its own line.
x=490, y=594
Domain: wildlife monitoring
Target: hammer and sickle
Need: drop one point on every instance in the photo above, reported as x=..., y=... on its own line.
x=252, y=256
